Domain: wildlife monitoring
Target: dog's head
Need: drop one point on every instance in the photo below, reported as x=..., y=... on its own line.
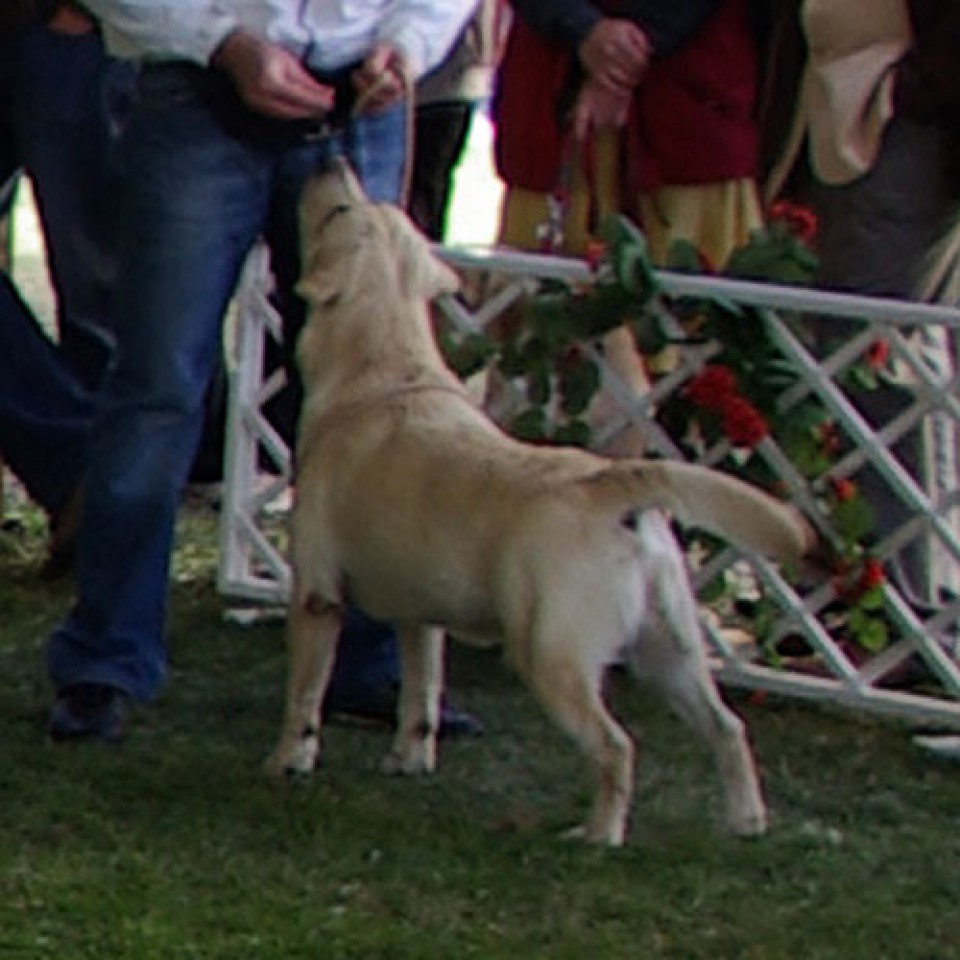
x=350, y=244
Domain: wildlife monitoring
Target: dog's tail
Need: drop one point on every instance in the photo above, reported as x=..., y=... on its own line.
x=714, y=501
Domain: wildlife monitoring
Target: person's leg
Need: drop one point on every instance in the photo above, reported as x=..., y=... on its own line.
x=874, y=235
x=71, y=99
x=45, y=413
x=191, y=206
x=439, y=138
x=9, y=162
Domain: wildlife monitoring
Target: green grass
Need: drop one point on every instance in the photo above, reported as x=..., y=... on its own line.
x=175, y=846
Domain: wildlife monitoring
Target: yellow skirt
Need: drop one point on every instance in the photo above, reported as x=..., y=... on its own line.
x=716, y=217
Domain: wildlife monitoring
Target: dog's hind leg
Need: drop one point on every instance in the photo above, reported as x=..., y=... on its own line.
x=414, y=748
x=691, y=692
x=568, y=686
x=671, y=653
x=313, y=630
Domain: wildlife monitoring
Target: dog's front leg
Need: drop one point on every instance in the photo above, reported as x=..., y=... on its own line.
x=313, y=630
x=414, y=747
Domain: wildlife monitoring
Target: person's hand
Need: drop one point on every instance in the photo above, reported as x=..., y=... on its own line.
x=270, y=79
x=615, y=53
x=382, y=80
x=598, y=108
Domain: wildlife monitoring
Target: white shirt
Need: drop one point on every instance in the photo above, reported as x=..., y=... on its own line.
x=325, y=34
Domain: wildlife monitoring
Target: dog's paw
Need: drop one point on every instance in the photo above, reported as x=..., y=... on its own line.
x=409, y=762
x=411, y=756
x=296, y=762
x=586, y=833
x=751, y=823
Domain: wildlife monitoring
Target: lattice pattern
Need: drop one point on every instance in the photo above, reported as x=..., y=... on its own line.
x=253, y=565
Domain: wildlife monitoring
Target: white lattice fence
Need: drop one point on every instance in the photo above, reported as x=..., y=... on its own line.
x=253, y=565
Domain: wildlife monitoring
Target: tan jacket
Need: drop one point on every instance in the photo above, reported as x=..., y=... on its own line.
x=846, y=93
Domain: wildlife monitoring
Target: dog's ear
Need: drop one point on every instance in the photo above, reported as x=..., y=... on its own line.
x=421, y=272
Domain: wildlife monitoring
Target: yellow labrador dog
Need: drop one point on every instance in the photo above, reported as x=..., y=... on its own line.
x=413, y=505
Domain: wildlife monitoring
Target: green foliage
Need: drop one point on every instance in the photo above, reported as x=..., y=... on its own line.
x=467, y=355
x=549, y=353
x=855, y=519
x=867, y=624
x=773, y=254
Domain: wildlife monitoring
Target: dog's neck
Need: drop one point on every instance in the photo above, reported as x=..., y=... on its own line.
x=373, y=352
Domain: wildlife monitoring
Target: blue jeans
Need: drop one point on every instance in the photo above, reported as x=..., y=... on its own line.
x=203, y=179
x=61, y=104
x=45, y=413
x=62, y=101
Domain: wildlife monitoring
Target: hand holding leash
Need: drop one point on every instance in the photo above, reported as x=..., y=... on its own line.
x=382, y=80
x=598, y=108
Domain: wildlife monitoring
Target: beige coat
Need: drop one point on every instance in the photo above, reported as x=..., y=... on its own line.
x=846, y=93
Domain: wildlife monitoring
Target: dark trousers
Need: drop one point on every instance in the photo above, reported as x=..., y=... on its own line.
x=45, y=413
x=440, y=136
x=61, y=105
x=874, y=236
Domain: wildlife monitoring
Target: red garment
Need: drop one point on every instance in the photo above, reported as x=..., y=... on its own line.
x=692, y=120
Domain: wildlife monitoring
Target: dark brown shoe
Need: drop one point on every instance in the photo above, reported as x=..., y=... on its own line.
x=91, y=712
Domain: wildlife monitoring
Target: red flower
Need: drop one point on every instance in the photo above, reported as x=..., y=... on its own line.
x=595, y=252
x=743, y=423
x=871, y=575
x=712, y=387
x=828, y=437
x=843, y=489
x=799, y=220
x=878, y=354
x=852, y=585
x=571, y=356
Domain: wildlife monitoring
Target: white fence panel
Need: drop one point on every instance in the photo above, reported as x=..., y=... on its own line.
x=922, y=634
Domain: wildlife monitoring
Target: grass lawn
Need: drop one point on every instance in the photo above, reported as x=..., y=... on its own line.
x=175, y=846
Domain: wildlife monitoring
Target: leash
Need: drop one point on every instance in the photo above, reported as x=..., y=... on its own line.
x=551, y=234
x=409, y=104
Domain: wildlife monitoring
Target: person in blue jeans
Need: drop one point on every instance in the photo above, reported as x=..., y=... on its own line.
x=62, y=101
x=236, y=105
